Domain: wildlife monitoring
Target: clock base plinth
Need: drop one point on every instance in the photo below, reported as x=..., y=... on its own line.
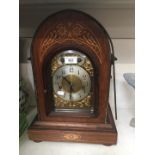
x=97, y=133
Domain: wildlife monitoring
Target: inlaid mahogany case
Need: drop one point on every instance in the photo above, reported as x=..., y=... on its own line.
x=72, y=30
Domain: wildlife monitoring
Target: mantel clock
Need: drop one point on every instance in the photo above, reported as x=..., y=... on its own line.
x=71, y=62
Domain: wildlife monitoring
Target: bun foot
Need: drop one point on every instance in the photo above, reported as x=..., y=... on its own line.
x=37, y=141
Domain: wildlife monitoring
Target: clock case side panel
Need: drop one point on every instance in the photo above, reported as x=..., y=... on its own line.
x=103, y=60
x=39, y=91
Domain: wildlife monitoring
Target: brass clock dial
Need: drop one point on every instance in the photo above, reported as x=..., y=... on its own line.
x=72, y=75
x=71, y=83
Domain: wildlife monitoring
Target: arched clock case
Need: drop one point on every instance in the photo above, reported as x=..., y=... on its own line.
x=71, y=63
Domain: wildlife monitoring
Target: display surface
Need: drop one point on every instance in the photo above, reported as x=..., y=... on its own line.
x=71, y=61
x=71, y=73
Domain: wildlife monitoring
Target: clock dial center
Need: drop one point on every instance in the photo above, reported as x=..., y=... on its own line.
x=71, y=83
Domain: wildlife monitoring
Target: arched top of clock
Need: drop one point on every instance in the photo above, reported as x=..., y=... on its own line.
x=70, y=27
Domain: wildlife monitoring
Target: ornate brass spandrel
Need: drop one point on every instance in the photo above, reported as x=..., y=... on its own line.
x=54, y=65
x=88, y=67
x=60, y=103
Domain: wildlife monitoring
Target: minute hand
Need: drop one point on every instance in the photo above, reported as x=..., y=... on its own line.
x=71, y=89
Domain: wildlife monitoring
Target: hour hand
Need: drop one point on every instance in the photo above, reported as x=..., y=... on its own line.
x=70, y=95
x=67, y=80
